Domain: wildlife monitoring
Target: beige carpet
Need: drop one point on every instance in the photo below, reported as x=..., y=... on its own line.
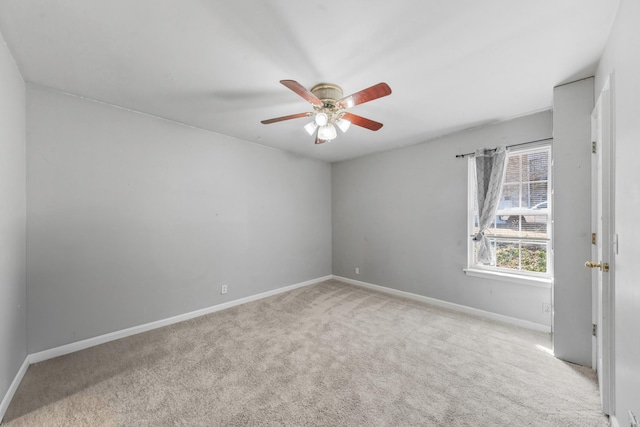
x=330, y=354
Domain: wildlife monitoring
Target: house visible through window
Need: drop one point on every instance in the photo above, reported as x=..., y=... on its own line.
x=521, y=231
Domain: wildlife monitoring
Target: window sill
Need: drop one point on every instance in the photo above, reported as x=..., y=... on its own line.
x=513, y=278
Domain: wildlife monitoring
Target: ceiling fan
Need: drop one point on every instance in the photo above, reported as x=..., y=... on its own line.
x=331, y=108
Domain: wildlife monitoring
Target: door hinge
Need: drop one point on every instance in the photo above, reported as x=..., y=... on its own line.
x=593, y=147
x=594, y=330
x=593, y=238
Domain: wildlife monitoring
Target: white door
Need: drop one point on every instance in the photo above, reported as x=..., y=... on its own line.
x=603, y=247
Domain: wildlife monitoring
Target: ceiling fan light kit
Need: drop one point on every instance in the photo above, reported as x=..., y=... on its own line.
x=327, y=132
x=311, y=127
x=343, y=124
x=330, y=108
x=321, y=118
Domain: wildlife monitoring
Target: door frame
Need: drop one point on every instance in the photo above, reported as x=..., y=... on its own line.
x=603, y=283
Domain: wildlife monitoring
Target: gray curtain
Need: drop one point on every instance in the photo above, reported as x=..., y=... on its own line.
x=490, y=165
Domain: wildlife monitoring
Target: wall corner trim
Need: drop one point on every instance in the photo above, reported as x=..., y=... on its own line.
x=457, y=307
x=4, y=405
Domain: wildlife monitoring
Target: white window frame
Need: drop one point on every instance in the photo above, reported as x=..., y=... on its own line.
x=493, y=272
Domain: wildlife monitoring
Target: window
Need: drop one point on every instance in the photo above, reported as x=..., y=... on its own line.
x=521, y=231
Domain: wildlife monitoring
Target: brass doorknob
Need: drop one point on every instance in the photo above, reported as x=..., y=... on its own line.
x=590, y=264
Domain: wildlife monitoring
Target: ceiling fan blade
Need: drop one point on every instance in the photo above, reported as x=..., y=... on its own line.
x=362, y=121
x=365, y=95
x=302, y=91
x=279, y=119
x=320, y=141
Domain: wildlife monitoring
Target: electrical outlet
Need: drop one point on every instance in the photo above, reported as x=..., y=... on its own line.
x=357, y=270
x=546, y=308
x=223, y=289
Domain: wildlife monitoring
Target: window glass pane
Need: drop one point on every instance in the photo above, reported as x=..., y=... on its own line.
x=510, y=196
x=521, y=256
x=534, y=257
x=535, y=166
x=533, y=226
x=508, y=255
x=514, y=223
x=512, y=172
x=525, y=196
x=538, y=194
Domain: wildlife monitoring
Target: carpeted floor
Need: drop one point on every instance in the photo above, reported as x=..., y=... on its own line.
x=330, y=354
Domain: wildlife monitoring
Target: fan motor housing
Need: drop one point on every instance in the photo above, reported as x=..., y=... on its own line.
x=327, y=93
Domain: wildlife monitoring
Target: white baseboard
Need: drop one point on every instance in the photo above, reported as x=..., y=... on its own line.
x=101, y=339
x=614, y=421
x=4, y=405
x=90, y=342
x=457, y=307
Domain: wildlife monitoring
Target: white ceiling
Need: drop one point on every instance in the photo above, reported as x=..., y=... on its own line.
x=216, y=64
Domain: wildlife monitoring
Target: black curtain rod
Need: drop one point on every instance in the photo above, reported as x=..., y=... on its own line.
x=460, y=156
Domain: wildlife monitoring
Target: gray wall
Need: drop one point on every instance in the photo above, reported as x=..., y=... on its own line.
x=13, y=321
x=400, y=216
x=134, y=219
x=572, y=106
x=621, y=57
